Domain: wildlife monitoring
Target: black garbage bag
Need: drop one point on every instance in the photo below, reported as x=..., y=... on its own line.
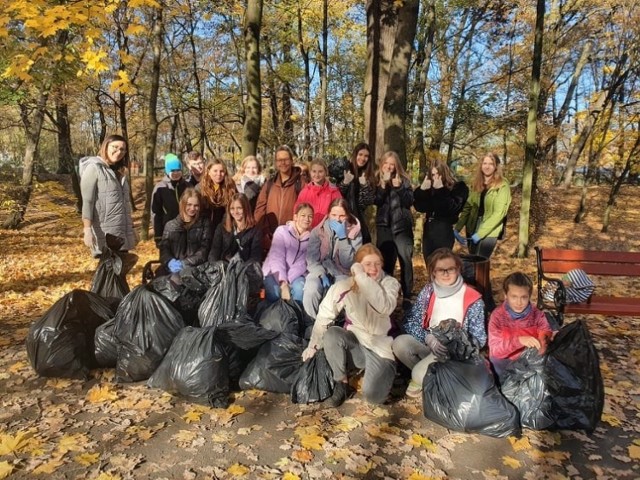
x=184, y=291
x=145, y=325
x=226, y=299
x=106, y=345
x=195, y=367
x=244, y=334
x=108, y=281
x=463, y=396
x=562, y=389
x=281, y=316
x=314, y=382
x=337, y=167
x=460, y=346
x=61, y=342
x=275, y=366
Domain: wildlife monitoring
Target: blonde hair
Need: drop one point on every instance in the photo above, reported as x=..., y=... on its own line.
x=496, y=179
x=182, y=205
x=400, y=171
x=249, y=158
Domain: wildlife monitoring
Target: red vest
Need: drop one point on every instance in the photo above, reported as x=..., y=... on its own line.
x=470, y=296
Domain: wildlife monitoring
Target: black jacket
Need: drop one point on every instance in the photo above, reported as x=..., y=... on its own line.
x=441, y=204
x=226, y=244
x=165, y=204
x=393, y=207
x=191, y=246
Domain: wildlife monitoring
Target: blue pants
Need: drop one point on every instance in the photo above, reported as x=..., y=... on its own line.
x=272, y=289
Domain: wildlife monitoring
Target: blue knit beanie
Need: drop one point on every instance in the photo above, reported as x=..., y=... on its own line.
x=171, y=162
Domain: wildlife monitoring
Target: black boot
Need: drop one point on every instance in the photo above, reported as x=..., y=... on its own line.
x=340, y=394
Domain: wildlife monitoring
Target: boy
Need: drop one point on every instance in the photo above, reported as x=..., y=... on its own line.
x=516, y=324
x=166, y=195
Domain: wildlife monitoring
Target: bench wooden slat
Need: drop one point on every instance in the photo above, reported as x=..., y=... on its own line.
x=606, y=308
x=613, y=269
x=604, y=256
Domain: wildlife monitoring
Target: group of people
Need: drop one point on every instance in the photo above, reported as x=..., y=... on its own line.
x=314, y=244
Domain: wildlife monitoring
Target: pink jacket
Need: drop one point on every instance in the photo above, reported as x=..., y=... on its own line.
x=287, y=257
x=319, y=197
x=504, y=332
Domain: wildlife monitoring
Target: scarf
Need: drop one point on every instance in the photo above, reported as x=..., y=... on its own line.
x=444, y=291
x=515, y=315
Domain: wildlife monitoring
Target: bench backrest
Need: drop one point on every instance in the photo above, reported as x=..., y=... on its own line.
x=558, y=260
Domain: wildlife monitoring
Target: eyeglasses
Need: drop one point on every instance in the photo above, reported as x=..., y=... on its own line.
x=446, y=271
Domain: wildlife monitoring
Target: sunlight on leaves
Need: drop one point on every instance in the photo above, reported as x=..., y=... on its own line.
x=419, y=476
x=87, y=459
x=192, y=416
x=101, y=393
x=290, y=476
x=73, y=443
x=302, y=456
x=49, y=467
x=417, y=440
x=611, y=419
x=238, y=470
x=108, y=476
x=634, y=452
x=346, y=424
x=11, y=444
x=521, y=444
x=5, y=469
x=312, y=441
x=511, y=462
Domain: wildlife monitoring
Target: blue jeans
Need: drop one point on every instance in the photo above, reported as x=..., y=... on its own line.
x=272, y=289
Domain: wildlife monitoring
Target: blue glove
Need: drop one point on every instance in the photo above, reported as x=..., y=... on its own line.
x=326, y=283
x=340, y=229
x=460, y=239
x=475, y=238
x=174, y=265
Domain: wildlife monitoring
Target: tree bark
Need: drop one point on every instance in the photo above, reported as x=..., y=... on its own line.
x=253, y=110
x=324, y=77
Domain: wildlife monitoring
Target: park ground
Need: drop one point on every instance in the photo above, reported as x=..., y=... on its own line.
x=72, y=429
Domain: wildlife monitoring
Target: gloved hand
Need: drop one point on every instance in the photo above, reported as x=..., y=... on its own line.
x=357, y=268
x=326, y=283
x=475, y=238
x=437, y=348
x=396, y=181
x=461, y=240
x=348, y=177
x=174, y=265
x=89, y=237
x=340, y=229
x=285, y=292
x=437, y=182
x=426, y=183
x=308, y=353
x=362, y=179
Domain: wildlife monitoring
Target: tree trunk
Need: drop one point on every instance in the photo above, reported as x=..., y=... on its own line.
x=157, y=41
x=304, y=52
x=528, y=172
x=66, y=162
x=202, y=128
x=395, y=101
x=324, y=78
x=253, y=110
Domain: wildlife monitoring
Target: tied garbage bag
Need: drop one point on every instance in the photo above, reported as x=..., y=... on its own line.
x=275, y=366
x=145, y=325
x=106, y=345
x=562, y=389
x=463, y=396
x=281, y=316
x=336, y=169
x=314, y=382
x=61, y=342
x=244, y=334
x=195, y=367
x=108, y=281
x=459, y=345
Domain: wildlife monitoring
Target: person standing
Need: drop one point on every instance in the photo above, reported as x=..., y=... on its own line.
x=319, y=193
x=195, y=162
x=217, y=189
x=485, y=212
x=358, y=186
x=394, y=222
x=166, y=195
x=441, y=197
x=249, y=179
x=106, y=206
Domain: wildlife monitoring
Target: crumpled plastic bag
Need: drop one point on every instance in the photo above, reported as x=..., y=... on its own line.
x=108, y=281
x=459, y=345
x=314, y=382
x=244, y=334
x=281, y=316
x=106, y=345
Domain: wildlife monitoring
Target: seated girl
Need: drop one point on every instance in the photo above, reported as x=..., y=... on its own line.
x=187, y=238
x=516, y=324
x=285, y=267
x=368, y=297
x=332, y=248
x=237, y=234
x=446, y=297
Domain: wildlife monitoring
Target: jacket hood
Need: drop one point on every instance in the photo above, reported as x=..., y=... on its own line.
x=84, y=162
x=291, y=227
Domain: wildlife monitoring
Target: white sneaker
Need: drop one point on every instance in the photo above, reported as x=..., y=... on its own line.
x=414, y=390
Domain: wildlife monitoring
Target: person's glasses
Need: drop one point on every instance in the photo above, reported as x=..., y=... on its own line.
x=446, y=271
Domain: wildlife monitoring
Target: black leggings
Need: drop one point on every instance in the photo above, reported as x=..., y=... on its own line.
x=397, y=246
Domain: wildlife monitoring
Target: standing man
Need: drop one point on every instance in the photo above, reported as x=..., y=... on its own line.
x=195, y=162
x=165, y=200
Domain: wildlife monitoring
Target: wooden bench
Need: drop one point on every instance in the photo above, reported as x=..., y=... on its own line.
x=596, y=263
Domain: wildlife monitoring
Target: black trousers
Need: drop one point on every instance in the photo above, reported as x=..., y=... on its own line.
x=398, y=246
x=436, y=234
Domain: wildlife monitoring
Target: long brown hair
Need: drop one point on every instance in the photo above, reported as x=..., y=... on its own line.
x=442, y=254
x=369, y=168
x=445, y=172
x=249, y=219
x=182, y=205
x=496, y=179
x=222, y=196
x=399, y=168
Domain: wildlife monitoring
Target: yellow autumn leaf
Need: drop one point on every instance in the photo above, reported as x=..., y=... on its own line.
x=101, y=393
x=611, y=420
x=49, y=467
x=511, y=462
x=222, y=436
x=16, y=367
x=238, y=470
x=290, y=476
x=521, y=444
x=184, y=436
x=235, y=409
x=634, y=452
x=108, y=476
x=302, y=456
x=418, y=476
x=346, y=424
x=10, y=444
x=59, y=383
x=417, y=440
x=312, y=441
x=5, y=469
x=73, y=443
x=192, y=416
x=87, y=459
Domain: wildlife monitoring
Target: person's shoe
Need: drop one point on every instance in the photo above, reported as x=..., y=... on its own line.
x=414, y=390
x=340, y=394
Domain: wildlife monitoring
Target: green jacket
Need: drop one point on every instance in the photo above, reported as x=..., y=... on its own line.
x=496, y=205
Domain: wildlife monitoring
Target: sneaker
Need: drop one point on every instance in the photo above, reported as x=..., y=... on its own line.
x=340, y=394
x=414, y=390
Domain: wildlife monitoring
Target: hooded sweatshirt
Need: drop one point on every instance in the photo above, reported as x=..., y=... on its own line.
x=287, y=257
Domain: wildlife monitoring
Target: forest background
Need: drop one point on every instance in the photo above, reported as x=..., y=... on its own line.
x=551, y=87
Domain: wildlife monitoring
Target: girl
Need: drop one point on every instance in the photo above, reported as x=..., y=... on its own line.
x=285, y=267
x=320, y=192
x=187, y=238
x=441, y=197
x=394, y=222
x=485, y=211
x=447, y=296
x=332, y=248
x=360, y=192
x=367, y=297
x=217, y=189
x=237, y=234
x=249, y=179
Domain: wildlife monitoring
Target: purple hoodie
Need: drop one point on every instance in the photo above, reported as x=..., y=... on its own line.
x=287, y=257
